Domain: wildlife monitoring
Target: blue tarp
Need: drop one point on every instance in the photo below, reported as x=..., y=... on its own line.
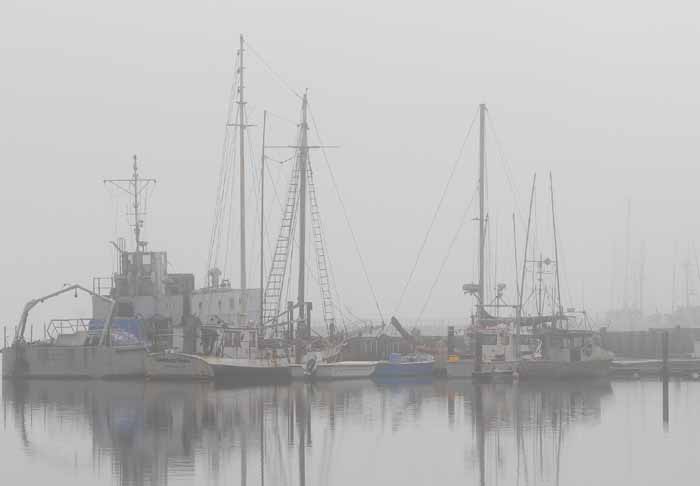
x=130, y=330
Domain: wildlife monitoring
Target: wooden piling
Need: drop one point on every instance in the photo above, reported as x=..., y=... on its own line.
x=450, y=340
x=664, y=377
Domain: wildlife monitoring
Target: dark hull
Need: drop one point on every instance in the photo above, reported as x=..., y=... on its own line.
x=230, y=374
x=558, y=370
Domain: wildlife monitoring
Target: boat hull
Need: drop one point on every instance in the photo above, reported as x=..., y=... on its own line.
x=556, y=370
x=248, y=372
x=463, y=368
x=50, y=361
x=410, y=368
x=177, y=366
x=344, y=370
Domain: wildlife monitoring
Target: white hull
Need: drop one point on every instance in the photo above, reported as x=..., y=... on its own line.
x=177, y=366
x=51, y=361
x=345, y=370
x=465, y=368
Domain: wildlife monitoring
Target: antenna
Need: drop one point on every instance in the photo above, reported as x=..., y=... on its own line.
x=134, y=187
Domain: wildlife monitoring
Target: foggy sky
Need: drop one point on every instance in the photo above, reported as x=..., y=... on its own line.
x=603, y=94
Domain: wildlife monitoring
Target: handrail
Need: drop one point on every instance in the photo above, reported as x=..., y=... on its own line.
x=19, y=334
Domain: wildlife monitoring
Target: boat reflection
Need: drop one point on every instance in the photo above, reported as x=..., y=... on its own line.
x=334, y=433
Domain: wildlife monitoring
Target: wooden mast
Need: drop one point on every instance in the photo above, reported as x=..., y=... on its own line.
x=262, y=221
x=241, y=142
x=303, y=158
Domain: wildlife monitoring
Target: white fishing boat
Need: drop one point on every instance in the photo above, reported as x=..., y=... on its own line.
x=498, y=354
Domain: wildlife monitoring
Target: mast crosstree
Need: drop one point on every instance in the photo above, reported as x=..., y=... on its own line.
x=135, y=188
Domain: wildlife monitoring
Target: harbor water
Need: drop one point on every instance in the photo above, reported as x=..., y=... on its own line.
x=348, y=433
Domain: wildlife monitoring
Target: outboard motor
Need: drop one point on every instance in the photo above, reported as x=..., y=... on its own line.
x=310, y=366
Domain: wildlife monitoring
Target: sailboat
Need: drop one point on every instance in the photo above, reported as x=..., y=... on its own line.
x=491, y=348
x=244, y=335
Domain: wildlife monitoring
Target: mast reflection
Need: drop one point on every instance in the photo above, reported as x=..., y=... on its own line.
x=303, y=434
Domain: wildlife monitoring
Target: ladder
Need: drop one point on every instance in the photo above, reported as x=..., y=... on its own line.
x=321, y=261
x=278, y=268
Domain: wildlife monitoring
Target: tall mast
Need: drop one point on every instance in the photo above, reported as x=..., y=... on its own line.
x=241, y=132
x=262, y=220
x=482, y=219
x=303, y=160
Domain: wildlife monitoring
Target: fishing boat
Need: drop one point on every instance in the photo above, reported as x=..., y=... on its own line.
x=566, y=354
x=561, y=350
x=406, y=365
x=130, y=310
x=72, y=349
x=496, y=346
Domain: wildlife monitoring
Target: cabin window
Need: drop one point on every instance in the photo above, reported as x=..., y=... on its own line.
x=557, y=342
x=146, y=259
x=228, y=339
x=232, y=303
x=489, y=339
x=577, y=341
x=506, y=339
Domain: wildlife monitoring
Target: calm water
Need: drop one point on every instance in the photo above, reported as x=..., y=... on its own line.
x=348, y=434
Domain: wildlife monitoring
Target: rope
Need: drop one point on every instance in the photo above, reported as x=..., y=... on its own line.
x=465, y=217
x=437, y=210
x=347, y=218
x=506, y=168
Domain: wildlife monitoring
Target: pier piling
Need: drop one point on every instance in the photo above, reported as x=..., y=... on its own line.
x=664, y=377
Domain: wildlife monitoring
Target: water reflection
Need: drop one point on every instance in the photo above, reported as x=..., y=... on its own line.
x=347, y=433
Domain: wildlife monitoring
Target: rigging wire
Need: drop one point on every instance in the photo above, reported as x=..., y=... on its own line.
x=465, y=217
x=347, y=218
x=437, y=210
x=274, y=73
